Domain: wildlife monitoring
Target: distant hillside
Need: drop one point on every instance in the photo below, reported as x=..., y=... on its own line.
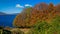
x=1, y=13
x=14, y=14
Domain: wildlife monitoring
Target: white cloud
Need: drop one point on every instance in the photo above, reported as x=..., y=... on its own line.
x=28, y=5
x=19, y=6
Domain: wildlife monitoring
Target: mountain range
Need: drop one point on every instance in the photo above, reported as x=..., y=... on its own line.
x=2, y=13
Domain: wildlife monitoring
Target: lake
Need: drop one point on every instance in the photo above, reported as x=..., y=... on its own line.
x=7, y=20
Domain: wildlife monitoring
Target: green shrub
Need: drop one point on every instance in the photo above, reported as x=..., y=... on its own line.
x=6, y=32
x=45, y=28
x=1, y=31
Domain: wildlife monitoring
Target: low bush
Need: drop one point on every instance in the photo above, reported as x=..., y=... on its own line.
x=46, y=28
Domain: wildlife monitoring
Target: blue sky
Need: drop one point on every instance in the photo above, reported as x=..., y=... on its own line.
x=16, y=6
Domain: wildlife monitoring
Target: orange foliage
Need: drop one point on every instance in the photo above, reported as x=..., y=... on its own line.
x=42, y=12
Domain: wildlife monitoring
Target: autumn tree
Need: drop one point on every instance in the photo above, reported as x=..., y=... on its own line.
x=22, y=19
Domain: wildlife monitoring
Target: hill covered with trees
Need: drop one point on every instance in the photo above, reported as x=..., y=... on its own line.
x=40, y=12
